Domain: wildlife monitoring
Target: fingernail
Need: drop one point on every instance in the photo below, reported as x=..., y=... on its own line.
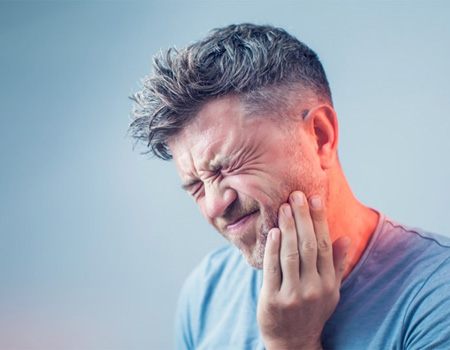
x=287, y=210
x=299, y=198
x=316, y=202
x=274, y=234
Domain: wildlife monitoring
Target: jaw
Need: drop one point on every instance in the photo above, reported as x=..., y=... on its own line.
x=252, y=247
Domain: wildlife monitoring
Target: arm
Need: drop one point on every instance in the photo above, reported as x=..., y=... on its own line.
x=301, y=276
x=427, y=322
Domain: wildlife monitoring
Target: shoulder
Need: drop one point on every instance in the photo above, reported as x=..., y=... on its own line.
x=409, y=257
x=216, y=263
x=434, y=239
x=422, y=249
x=221, y=266
x=425, y=260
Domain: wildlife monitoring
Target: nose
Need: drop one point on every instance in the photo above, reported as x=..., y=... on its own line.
x=217, y=199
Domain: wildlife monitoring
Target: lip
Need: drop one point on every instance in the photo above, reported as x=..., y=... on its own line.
x=237, y=225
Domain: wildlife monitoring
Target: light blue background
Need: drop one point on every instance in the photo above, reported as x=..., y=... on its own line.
x=95, y=239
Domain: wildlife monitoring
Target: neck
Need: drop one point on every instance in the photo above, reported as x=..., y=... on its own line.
x=349, y=217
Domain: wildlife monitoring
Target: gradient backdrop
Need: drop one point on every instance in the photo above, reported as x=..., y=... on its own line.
x=95, y=239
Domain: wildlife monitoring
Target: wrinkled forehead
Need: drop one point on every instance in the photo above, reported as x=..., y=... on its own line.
x=218, y=127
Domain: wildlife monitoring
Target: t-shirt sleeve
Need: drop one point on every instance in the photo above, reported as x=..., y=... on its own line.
x=427, y=324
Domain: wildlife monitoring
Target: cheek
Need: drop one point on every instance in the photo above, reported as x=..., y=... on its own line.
x=263, y=188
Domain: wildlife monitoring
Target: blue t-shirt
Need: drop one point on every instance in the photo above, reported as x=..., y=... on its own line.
x=396, y=297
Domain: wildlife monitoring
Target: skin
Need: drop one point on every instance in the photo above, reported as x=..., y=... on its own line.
x=249, y=169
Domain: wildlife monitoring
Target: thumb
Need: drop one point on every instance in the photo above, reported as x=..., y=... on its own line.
x=340, y=250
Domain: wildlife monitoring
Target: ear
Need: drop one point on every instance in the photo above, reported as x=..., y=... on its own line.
x=323, y=126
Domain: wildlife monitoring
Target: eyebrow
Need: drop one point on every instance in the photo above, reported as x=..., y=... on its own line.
x=214, y=166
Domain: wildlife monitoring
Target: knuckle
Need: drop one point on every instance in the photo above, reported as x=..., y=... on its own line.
x=310, y=295
x=291, y=301
x=268, y=301
x=329, y=287
x=270, y=268
x=291, y=256
x=292, y=304
x=323, y=245
x=273, y=269
x=308, y=246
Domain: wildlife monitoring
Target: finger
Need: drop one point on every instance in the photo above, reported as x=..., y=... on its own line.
x=325, y=265
x=340, y=251
x=307, y=244
x=271, y=262
x=289, y=256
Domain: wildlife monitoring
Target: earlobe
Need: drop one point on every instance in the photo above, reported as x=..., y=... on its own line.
x=324, y=121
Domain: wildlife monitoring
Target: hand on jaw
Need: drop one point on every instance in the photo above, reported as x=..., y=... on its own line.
x=302, y=274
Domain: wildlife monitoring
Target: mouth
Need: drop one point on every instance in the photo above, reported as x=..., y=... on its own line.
x=240, y=223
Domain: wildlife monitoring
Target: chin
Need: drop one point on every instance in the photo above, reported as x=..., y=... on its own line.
x=255, y=255
x=256, y=264
x=253, y=242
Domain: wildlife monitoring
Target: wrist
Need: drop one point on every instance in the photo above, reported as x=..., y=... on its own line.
x=297, y=348
x=313, y=346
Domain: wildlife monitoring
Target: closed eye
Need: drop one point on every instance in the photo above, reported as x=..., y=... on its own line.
x=196, y=189
x=189, y=185
x=192, y=187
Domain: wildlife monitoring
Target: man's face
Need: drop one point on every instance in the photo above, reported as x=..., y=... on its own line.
x=241, y=168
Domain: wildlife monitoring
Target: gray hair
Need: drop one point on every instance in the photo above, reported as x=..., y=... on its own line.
x=250, y=61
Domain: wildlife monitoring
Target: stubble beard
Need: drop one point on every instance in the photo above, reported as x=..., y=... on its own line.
x=269, y=221
x=309, y=179
x=252, y=246
x=315, y=185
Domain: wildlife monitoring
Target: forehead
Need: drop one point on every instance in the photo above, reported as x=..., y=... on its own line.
x=219, y=130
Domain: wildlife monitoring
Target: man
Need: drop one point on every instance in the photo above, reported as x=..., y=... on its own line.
x=247, y=116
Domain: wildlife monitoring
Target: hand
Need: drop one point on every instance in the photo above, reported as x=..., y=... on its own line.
x=302, y=274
